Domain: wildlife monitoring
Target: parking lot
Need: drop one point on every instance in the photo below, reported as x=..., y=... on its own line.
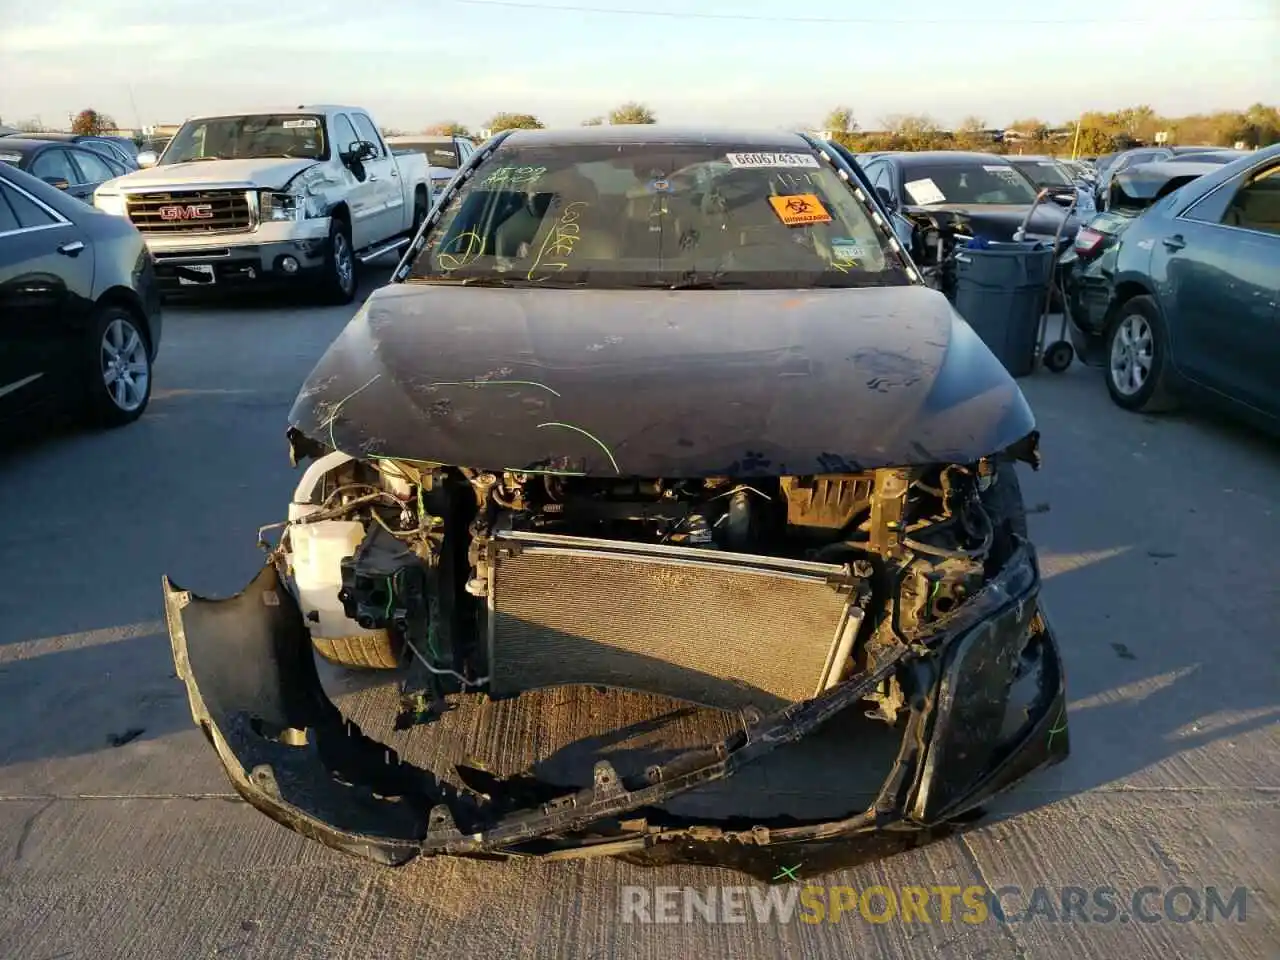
x=120, y=836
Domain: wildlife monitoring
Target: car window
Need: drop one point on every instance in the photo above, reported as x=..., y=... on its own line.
x=1233, y=205
x=54, y=163
x=966, y=182
x=1044, y=173
x=344, y=133
x=100, y=147
x=443, y=155
x=656, y=215
x=1256, y=205
x=8, y=218
x=28, y=212
x=367, y=131
x=93, y=168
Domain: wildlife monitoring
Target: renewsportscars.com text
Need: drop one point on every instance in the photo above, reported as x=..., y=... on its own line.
x=944, y=904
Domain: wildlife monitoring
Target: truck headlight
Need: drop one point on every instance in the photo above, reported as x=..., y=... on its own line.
x=290, y=206
x=112, y=203
x=280, y=206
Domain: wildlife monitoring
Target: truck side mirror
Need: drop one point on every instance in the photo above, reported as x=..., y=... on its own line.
x=888, y=199
x=147, y=158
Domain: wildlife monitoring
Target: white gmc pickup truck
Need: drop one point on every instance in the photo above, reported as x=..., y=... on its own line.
x=305, y=193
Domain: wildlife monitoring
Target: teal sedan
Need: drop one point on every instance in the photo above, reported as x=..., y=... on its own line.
x=1190, y=295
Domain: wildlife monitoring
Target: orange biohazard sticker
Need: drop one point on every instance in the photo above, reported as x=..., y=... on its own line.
x=799, y=209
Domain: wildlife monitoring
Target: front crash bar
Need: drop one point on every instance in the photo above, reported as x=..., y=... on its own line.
x=254, y=690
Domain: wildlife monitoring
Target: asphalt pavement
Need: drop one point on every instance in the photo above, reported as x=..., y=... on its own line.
x=120, y=836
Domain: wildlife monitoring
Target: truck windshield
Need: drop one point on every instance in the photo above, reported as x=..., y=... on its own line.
x=256, y=135
x=680, y=215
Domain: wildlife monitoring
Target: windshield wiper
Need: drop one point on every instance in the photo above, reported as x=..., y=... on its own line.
x=696, y=283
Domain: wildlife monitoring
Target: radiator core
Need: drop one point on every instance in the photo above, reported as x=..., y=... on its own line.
x=720, y=629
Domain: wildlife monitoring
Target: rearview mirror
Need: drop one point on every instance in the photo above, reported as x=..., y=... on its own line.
x=60, y=183
x=887, y=198
x=147, y=158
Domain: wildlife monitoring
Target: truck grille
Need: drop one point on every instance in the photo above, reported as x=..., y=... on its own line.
x=723, y=630
x=192, y=211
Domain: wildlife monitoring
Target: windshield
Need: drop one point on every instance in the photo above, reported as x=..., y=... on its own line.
x=975, y=183
x=1044, y=173
x=256, y=135
x=443, y=154
x=656, y=214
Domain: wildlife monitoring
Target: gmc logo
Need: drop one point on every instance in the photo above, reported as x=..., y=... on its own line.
x=191, y=211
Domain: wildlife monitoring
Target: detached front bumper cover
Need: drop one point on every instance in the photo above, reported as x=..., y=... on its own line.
x=254, y=690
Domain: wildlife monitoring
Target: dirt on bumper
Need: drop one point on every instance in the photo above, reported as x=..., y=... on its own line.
x=254, y=690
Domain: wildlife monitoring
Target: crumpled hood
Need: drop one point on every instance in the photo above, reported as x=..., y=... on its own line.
x=662, y=383
x=269, y=172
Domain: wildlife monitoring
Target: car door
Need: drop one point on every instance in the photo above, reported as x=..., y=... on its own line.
x=46, y=278
x=1217, y=271
x=362, y=198
x=93, y=170
x=394, y=213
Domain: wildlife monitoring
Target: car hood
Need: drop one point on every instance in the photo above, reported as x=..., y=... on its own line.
x=999, y=221
x=662, y=383
x=270, y=172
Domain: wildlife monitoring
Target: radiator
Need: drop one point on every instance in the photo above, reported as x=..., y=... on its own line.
x=720, y=629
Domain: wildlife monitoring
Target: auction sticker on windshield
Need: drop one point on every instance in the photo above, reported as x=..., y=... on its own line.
x=771, y=160
x=800, y=209
x=307, y=124
x=924, y=192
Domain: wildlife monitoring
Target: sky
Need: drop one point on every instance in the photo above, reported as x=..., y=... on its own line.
x=724, y=62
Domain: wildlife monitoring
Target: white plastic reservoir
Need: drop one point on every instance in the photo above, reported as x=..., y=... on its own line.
x=318, y=550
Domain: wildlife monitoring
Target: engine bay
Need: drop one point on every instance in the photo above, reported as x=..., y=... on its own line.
x=426, y=566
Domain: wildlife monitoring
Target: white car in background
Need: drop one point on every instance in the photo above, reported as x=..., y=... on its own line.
x=445, y=155
x=303, y=194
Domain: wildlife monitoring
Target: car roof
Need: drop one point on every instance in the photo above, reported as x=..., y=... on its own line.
x=279, y=109
x=936, y=157
x=1035, y=158
x=662, y=134
x=24, y=145
x=50, y=136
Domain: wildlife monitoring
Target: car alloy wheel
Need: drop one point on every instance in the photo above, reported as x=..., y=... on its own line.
x=126, y=370
x=1132, y=354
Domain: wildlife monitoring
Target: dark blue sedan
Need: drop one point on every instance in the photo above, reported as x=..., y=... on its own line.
x=1191, y=303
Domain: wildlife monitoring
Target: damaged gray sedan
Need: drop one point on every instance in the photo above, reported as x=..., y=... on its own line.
x=667, y=420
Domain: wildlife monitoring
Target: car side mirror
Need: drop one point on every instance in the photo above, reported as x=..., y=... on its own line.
x=887, y=198
x=147, y=158
x=61, y=183
x=362, y=150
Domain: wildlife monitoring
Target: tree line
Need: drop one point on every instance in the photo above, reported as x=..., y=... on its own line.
x=1091, y=134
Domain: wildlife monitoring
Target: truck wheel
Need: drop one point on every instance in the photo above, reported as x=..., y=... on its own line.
x=420, y=211
x=372, y=652
x=339, y=265
x=119, y=385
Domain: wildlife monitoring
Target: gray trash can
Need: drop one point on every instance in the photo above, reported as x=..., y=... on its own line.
x=1000, y=291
